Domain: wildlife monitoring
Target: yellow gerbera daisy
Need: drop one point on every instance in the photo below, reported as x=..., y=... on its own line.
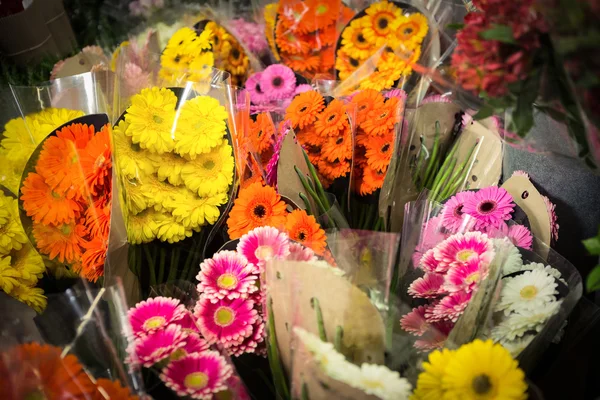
x=168, y=168
x=429, y=383
x=381, y=18
x=184, y=42
x=354, y=43
x=10, y=173
x=9, y=277
x=49, y=119
x=483, y=370
x=12, y=235
x=29, y=264
x=32, y=296
x=174, y=64
x=410, y=30
x=132, y=161
x=193, y=211
x=210, y=173
x=115, y=55
x=201, y=67
x=172, y=231
x=201, y=126
x=381, y=80
x=18, y=141
x=220, y=40
x=151, y=115
x=136, y=197
x=143, y=227
x=157, y=192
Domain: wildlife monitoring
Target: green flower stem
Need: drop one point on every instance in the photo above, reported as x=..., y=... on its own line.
x=161, y=269
x=186, y=266
x=434, y=154
x=419, y=165
x=131, y=260
x=317, y=182
x=150, y=261
x=320, y=323
x=311, y=192
x=339, y=334
x=449, y=157
x=458, y=176
x=442, y=181
x=429, y=182
x=378, y=224
x=306, y=204
x=173, y=265
x=371, y=214
x=273, y=355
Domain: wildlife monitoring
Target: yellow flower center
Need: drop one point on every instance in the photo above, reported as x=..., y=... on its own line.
x=224, y=316
x=372, y=384
x=464, y=255
x=473, y=278
x=528, y=292
x=263, y=252
x=208, y=164
x=154, y=322
x=65, y=229
x=481, y=384
x=321, y=9
x=55, y=195
x=178, y=354
x=227, y=281
x=157, y=119
x=195, y=380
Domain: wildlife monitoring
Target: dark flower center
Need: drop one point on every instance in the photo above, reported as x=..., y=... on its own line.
x=303, y=108
x=382, y=23
x=257, y=88
x=235, y=53
x=487, y=207
x=277, y=81
x=260, y=133
x=385, y=148
x=301, y=236
x=260, y=211
x=177, y=58
x=360, y=38
x=354, y=62
x=216, y=40
x=458, y=211
x=383, y=115
x=331, y=118
x=482, y=384
x=339, y=140
x=180, y=43
x=408, y=31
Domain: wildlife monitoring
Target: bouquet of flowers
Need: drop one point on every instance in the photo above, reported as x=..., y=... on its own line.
x=274, y=88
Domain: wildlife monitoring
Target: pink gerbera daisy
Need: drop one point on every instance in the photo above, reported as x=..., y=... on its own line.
x=489, y=206
x=429, y=263
x=461, y=247
x=262, y=244
x=427, y=287
x=300, y=253
x=435, y=336
x=278, y=82
x=450, y=307
x=453, y=215
x=302, y=88
x=550, y=207
x=226, y=321
x=257, y=94
x=188, y=323
x=198, y=376
x=150, y=315
x=397, y=93
x=252, y=342
x=152, y=348
x=465, y=277
x=415, y=322
x=193, y=344
x=432, y=233
x=227, y=275
x=520, y=236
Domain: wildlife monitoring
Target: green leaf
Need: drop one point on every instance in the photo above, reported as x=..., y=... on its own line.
x=592, y=282
x=483, y=113
x=501, y=33
x=455, y=26
x=523, y=114
x=592, y=245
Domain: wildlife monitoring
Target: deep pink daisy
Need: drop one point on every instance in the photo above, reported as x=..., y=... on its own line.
x=415, y=322
x=188, y=323
x=520, y=236
x=429, y=263
x=278, y=82
x=550, y=207
x=251, y=343
x=152, y=348
x=429, y=286
x=228, y=322
x=227, y=275
x=435, y=336
x=465, y=277
x=193, y=344
x=453, y=215
x=460, y=247
x=262, y=244
x=300, y=253
x=257, y=94
x=450, y=307
x=198, y=376
x=489, y=206
x=156, y=313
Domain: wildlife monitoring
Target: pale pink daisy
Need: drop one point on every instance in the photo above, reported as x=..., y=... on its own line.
x=432, y=233
x=489, y=206
x=520, y=236
x=520, y=173
x=188, y=323
x=550, y=207
x=227, y=275
x=461, y=247
x=152, y=348
x=429, y=263
x=415, y=321
x=428, y=286
x=251, y=343
x=198, y=376
x=156, y=313
x=193, y=344
x=465, y=277
x=450, y=307
x=300, y=253
x=262, y=244
x=435, y=336
x=453, y=215
x=228, y=322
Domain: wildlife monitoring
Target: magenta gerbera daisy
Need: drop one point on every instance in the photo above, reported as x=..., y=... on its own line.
x=429, y=263
x=427, y=287
x=435, y=336
x=415, y=322
x=251, y=343
x=461, y=247
x=262, y=244
x=228, y=322
x=550, y=207
x=152, y=348
x=257, y=95
x=300, y=253
x=520, y=236
x=156, y=313
x=188, y=323
x=450, y=307
x=227, y=275
x=193, y=344
x=278, y=82
x=453, y=213
x=198, y=376
x=465, y=277
x=489, y=206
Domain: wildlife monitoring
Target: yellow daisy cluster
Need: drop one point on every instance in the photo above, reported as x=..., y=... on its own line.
x=187, y=57
x=385, y=26
x=175, y=167
x=22, y=136
x=20, y=265
x=229, y=53
x=477, y=370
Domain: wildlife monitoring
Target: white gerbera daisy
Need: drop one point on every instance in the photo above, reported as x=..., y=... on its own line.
x=524, y=321
x=546, y=268
x=527, y=291
x=380, y=381
x=518, y=345
x=514, y=260
x=323, y=352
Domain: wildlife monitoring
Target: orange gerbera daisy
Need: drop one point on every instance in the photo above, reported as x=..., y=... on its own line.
x=338, y=147
x=61, y=241
x=291, y=42
x=80, y=134
x=253, y=179
x=96, y=162
x=92, y=260
x=308, y=136
x=257, y=205
x=44, y=205
x=314, y=154
x=365, y=101
x=332, y=120
x=304, y=108
x=379, y=151
x=261, y=132
x=346, y=14
x=327, y=256
x=372, y=180
x=35, y=371
x=97, y=217
x=60, y=166
x=333, y=170
x=301, y=63
x=303, y=228
x=361, y=137
x=327, y=58
x=294, y=15
x=322, y=13
x=112, y=390
x=381, y=121
x=324, y=37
